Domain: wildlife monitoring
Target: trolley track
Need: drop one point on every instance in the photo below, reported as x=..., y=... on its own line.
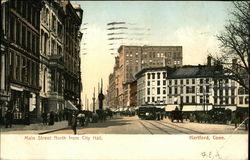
x=169, y=125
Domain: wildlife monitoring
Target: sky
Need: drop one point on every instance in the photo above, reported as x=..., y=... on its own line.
x=192, y=25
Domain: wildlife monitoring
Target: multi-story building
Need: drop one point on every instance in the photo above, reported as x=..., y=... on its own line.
x=60, y=55
x=112, y=91
x=51, y=56
x=152, y=86
x=201, y=88
x=71, y=57
x=22, y=30
x=4, y=59
x=132, y=59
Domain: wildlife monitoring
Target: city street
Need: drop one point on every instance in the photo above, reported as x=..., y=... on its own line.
x=134, y=125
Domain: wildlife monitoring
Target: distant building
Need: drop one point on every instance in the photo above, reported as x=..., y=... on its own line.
x=152, y=86
x=201, y=87
x=133, y=59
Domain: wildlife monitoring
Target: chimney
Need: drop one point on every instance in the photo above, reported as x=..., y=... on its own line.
x=209, y=59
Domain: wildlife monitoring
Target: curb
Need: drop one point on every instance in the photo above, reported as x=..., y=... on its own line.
x=54, y=130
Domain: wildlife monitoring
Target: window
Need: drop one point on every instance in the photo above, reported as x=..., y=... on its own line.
x=226, y=100
x=23, y=36
x=201, y=99
x=12, y=28
x=164, y=82
x=207, y=99
x=153, y=99
x=164, y=74
x=181, y=81
x=158, y=90
x=158, y=75
x=18, y=29
x=148, y=83
x=241, y=100
x=207, y=89
x=187, y=81
x=187, y=89
x=232, y=91
x=148, y=91
x=241, y=91
x=181, y=99
x=187, y=99
x=164, y=90
x=175, y=90
x=201, y=81
x=181, y=90
x=226, y=91
x=28, y=40
x=148, y=99
x=170, y=82
x=158, y=83
x=201, y=89
x=215, y=101
x=193, y=81
x=193, y=99
x=18, y=68
x=170, y=90
x=232, y=101
x=153, y=75
x=193, y=89
x=175, y=82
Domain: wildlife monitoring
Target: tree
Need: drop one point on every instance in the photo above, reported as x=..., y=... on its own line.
x=234, y=44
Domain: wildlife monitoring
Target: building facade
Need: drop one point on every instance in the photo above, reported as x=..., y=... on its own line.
x=71, y=57
x=133, y=59
x=152, y=86
x=23, y=32
x=4, y=59
x=201, y=88
x=40, y=61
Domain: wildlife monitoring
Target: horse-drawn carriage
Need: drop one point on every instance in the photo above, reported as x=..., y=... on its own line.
x=177, y=115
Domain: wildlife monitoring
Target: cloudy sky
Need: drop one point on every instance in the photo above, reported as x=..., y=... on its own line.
x=192, y=25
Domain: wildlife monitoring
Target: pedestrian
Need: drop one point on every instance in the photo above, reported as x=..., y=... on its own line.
x=8, y=119
x=45, y=118
x=74, y=123
x=51, y=118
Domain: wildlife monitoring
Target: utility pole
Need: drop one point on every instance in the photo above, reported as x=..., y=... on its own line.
x=94, y=101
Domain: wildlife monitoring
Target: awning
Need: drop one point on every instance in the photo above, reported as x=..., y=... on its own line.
x=70, y=106
x=16, y=88
x=189, y=108
x=171, y=107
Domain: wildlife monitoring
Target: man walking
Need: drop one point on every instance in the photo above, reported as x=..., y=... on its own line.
x=74, y=123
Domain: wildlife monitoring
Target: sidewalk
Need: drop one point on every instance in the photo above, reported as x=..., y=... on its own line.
x=35, y=128
x=208, y=128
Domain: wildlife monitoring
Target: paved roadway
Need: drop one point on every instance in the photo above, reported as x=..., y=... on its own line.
x=134, y=125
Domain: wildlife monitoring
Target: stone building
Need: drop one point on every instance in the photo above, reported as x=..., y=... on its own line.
x=51, y=56
x=152, y=86
x=4, y=59
x=60, y=55
x=21, y=31
x=71, y=57
x=201, y=88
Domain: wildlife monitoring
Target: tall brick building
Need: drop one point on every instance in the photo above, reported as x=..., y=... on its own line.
x=132, y=59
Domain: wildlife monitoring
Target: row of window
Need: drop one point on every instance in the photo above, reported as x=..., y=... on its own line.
x=24, y=69
x=158, y=91
x=156, y=75
x=188, y=81
x=23, y=36
x=27, y=11
x=158, y=83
